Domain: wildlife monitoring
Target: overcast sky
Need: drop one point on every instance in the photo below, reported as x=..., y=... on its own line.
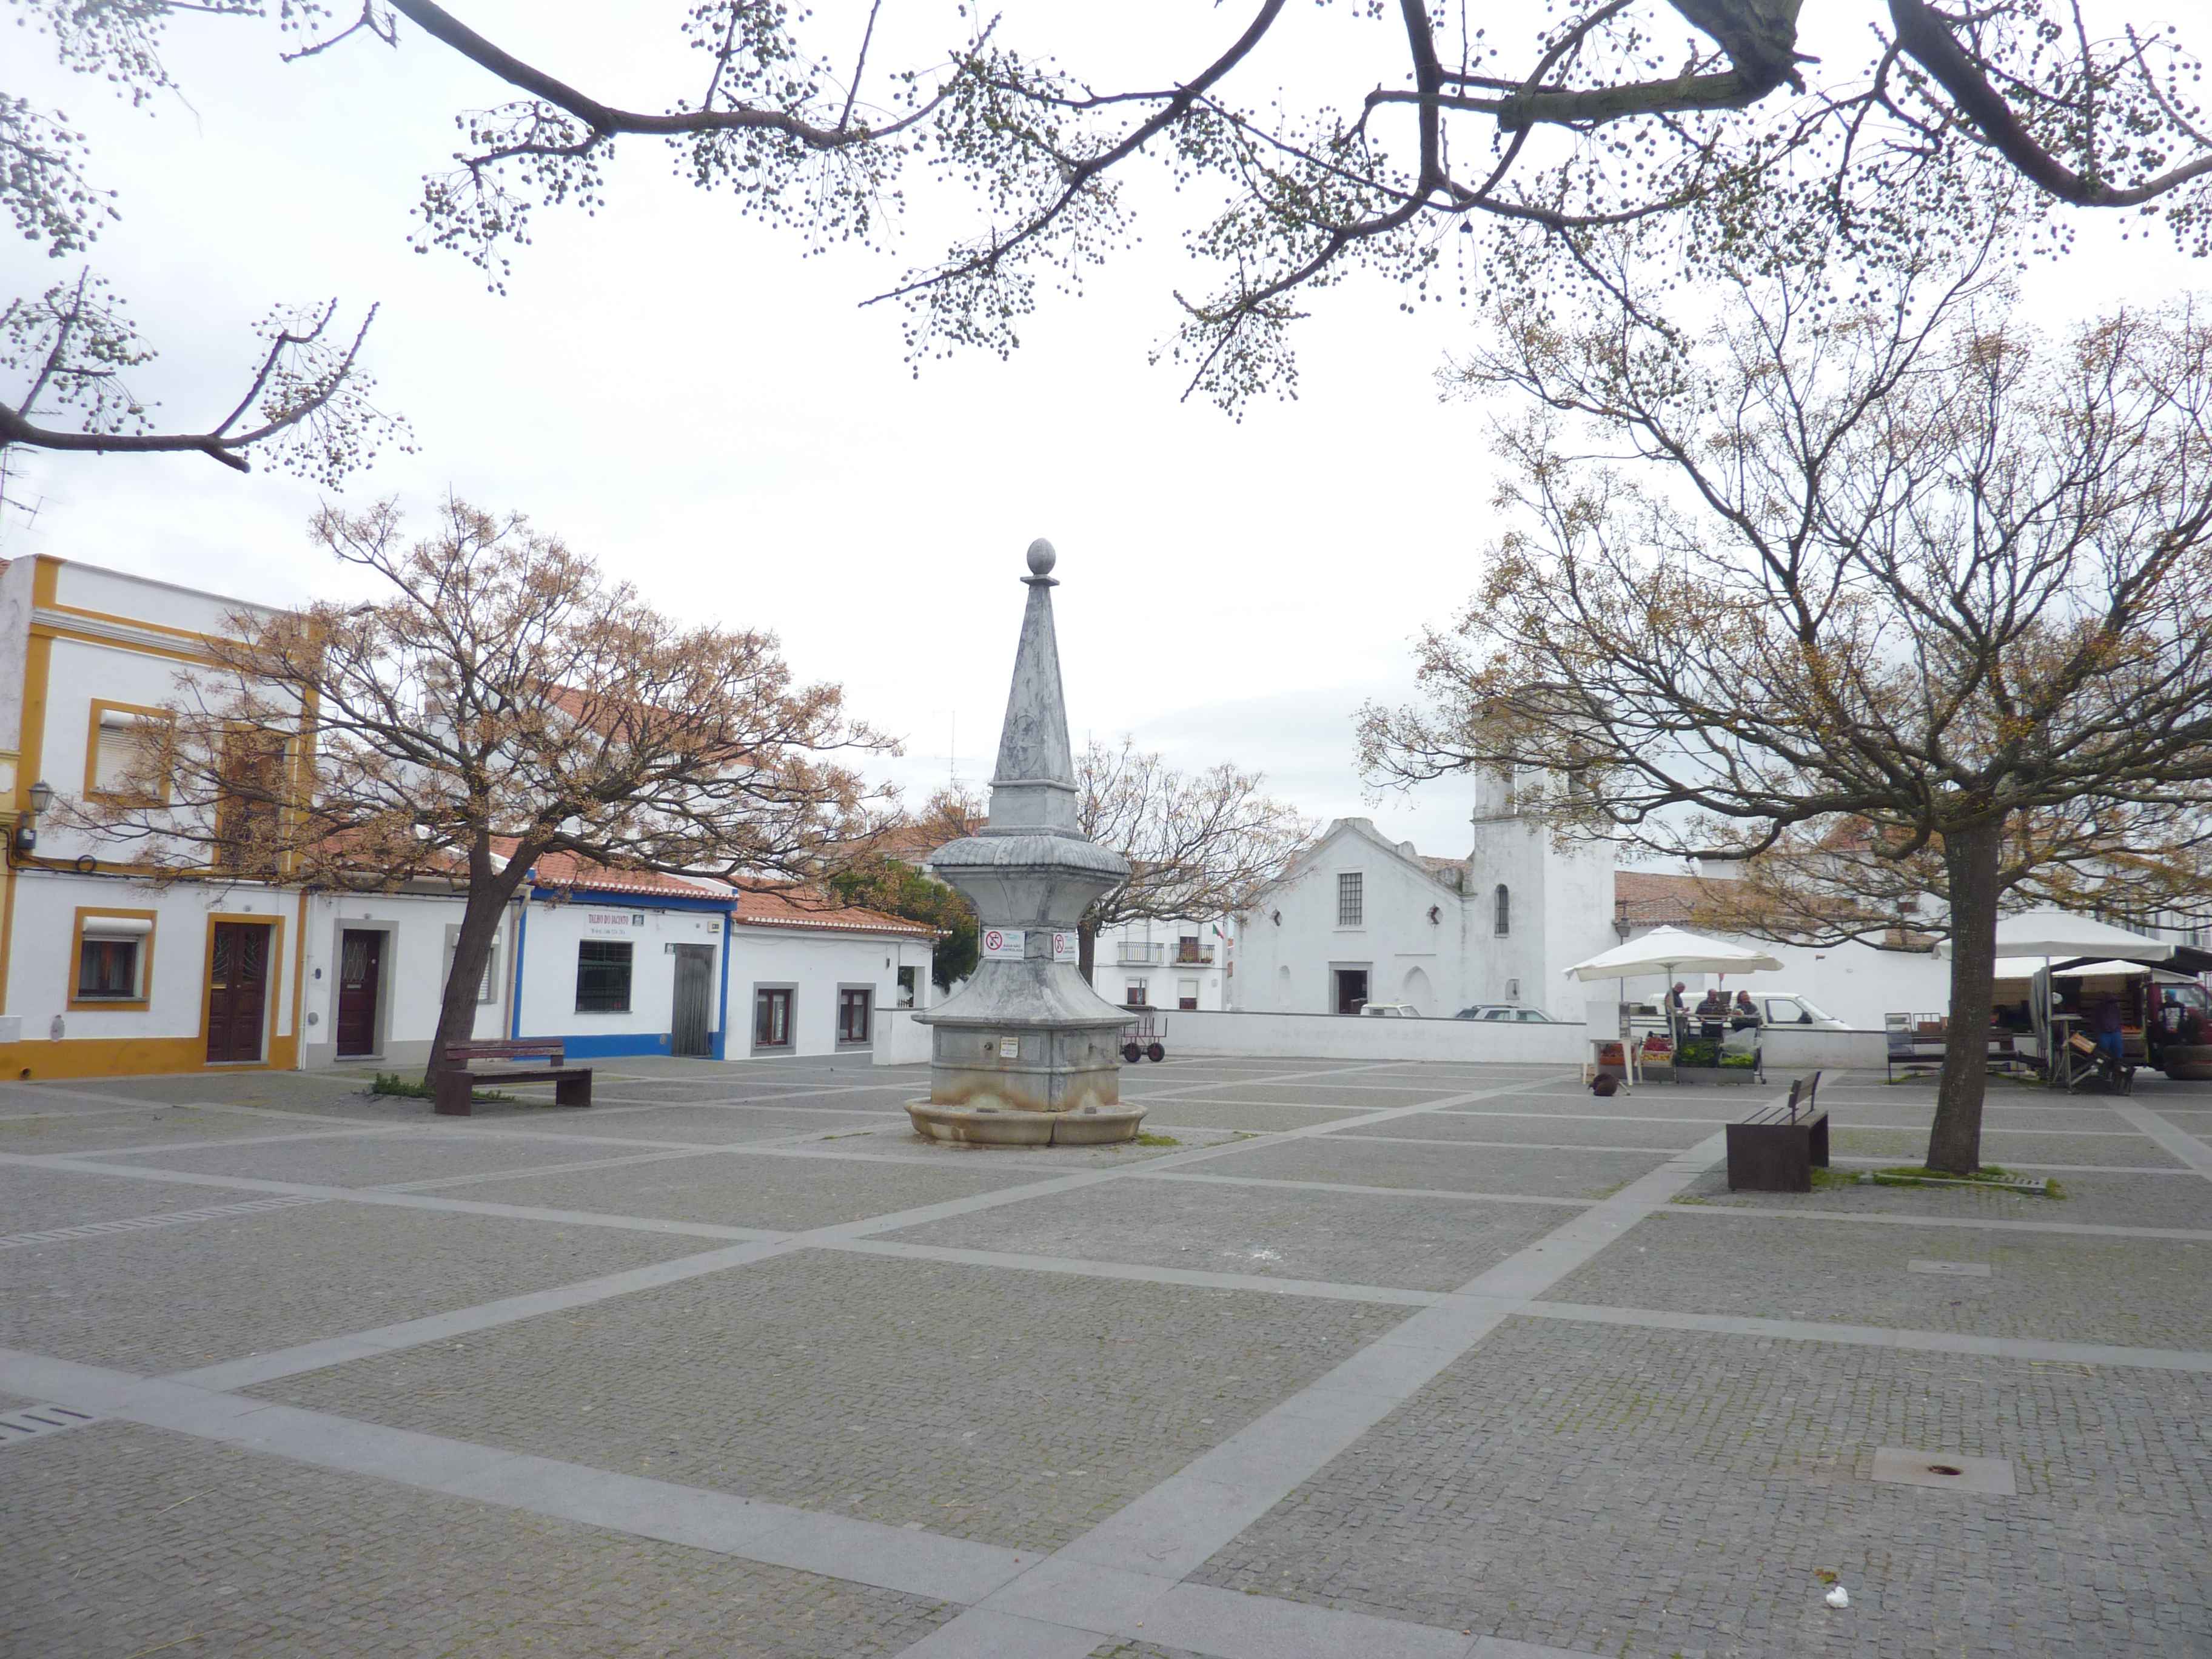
x=674, y=391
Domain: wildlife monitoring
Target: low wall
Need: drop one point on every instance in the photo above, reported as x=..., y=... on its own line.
x=1341, y=1037
x=900, y=1040
x=1796, y=1051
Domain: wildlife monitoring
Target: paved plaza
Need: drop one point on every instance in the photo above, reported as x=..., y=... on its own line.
x=1344, y=1361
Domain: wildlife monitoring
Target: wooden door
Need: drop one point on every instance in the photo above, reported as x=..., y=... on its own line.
x=695, y=983
x=238, y=991
x=361, y=973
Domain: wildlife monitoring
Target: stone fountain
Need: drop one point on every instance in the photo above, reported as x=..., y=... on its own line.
x=1027, y=1053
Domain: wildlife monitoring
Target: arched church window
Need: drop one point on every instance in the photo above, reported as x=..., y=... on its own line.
x=1504, y=911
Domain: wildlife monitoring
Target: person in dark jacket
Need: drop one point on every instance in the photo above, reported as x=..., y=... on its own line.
x=2104, y=1020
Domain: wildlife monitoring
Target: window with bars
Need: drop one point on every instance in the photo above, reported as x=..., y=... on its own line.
x=1350, y=899
x=603, y=976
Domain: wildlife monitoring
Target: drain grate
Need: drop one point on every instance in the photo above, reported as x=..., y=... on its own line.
x=32, y=1421
x=141, y=1222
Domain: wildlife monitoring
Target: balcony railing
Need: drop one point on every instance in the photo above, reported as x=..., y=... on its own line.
x=1190, y=957
x=1140, y=956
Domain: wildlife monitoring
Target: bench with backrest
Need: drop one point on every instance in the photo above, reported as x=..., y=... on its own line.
x=508, y=1060
x=1776, y=1149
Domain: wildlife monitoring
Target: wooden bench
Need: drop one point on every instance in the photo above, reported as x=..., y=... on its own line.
x=457, y=1085
x=1776, y=1149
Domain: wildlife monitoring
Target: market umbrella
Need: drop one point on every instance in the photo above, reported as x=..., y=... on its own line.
x=2051, y=933
x=2128, y=969
x=1669, y=950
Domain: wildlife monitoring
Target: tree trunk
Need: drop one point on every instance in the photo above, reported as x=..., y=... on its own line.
x=1970, y=859
x=1086, y=949
x=489, y=893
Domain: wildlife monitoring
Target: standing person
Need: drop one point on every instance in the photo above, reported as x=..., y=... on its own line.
x=1746, y=1012
x=2105, y=1021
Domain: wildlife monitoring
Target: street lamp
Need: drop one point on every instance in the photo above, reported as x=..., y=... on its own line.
x=41, y=796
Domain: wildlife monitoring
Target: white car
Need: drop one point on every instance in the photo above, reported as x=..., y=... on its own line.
x=1390, y=1010
x=1789, y=1008
x=1505, y=1012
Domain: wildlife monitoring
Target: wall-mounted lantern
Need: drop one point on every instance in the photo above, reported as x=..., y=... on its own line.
x=26, y=827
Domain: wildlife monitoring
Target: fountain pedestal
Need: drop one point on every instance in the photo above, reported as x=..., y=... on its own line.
x=1026, y=1054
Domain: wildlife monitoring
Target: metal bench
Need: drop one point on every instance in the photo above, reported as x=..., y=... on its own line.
x=457, y=1083
x=1776, y=1149
x=2089, y=1063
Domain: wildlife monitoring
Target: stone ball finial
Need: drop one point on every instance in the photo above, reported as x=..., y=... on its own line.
x=1042, y=557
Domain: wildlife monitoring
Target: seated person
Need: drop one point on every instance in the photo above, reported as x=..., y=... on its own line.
x=1745, y=1013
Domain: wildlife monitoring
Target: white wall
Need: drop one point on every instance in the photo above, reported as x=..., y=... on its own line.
x=901, y=1040
x=551, y=937
x=817, y=963
x=1854, y=983
x=412, y=974
x=1335, y=1036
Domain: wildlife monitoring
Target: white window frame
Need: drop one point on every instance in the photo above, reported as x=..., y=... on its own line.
x=488, y=991
x=1351, y=898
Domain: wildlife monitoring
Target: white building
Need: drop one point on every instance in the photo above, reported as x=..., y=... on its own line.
x=1359, y=918
x=1164, y=964
x=103, y=973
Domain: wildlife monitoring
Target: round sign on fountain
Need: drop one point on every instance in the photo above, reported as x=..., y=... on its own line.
x=1025, y=1055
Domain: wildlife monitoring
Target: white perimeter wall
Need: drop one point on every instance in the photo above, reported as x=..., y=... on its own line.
x=1341, y=1037
x=816, y=964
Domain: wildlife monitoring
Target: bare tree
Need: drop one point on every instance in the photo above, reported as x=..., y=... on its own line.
x=66, y=355
x=502, y=701
x=1198, y=844
x=1586, y=114
x=1883, y=594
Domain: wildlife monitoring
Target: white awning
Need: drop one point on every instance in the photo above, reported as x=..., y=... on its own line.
x=1671, y=951
x=117, y=926
x=2063, y=934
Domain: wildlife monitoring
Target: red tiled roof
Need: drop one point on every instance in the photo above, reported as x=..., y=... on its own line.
x=567, y=870
x=1650, y=898
x=757, y=908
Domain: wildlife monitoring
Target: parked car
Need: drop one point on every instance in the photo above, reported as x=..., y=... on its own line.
x=1507, y=1011
x=1775, y=1008
x=1390, y=1010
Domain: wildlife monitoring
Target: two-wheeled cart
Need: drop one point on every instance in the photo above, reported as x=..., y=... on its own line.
x=1140, y=1038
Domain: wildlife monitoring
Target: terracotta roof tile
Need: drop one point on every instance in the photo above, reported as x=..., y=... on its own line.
x=760, y=908
x=1652, y=898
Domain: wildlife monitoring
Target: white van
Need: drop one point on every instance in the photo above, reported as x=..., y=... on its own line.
x=1775, y=1008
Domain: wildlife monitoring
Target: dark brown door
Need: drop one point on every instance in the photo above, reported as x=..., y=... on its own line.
x=238, y=991
x=695, y=985
x=1350, y=989
x=361, y=972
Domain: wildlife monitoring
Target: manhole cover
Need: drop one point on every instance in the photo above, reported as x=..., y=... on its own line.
x=1991, y=1476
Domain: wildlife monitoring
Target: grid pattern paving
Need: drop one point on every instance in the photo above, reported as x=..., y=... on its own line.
x=1391, y=1359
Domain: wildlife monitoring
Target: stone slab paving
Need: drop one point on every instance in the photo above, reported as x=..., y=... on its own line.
x=170, y=1299
x=2181, y=1199
x=1418, y=1243
x=2003, y=1147
x=1013, y=1409
x=1549, y=1129
x=1358, y=1098
x=1632, y=1492
x=2135, y=1292
x=123, y=1540
x=784, y=1194
x=708, y=1125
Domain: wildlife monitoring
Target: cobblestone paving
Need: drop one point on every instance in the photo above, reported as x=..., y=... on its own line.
x=1625, y=1490
x=1365, y=1162
x=125, y=1541
x=2007, y=1149
x=2140, y=1292
x=1479, y=1125
x=94, y=1130
x=2182, y=1199
x=1189, y=1111
x=32, y=1200
x=374, y=1160
x=704, y=1125
x=1426, y=1244
x=174, y=1299
x=1658, y=1493
x=787, y=1194
x=1015, y=1408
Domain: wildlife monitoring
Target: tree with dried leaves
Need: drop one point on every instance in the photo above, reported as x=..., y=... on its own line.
x=500, y=701
x=1889, y=595
x=1198, y=844
x=889, y=876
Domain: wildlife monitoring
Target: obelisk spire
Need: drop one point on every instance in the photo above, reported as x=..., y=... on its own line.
x=1033, y=786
